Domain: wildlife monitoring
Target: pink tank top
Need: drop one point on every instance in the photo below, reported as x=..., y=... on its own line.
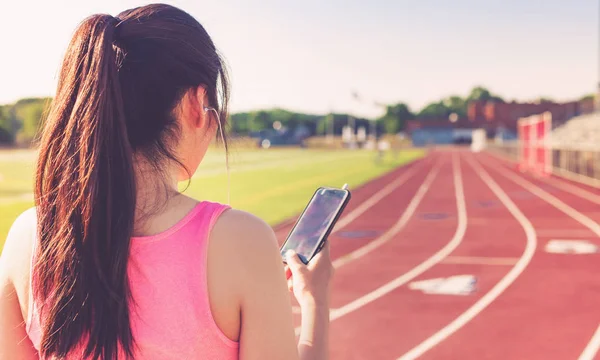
x=171, y=318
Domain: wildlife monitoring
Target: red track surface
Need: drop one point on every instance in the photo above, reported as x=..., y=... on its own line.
x=528, y=303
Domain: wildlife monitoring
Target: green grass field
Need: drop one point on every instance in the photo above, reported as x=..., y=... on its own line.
x=273, y=184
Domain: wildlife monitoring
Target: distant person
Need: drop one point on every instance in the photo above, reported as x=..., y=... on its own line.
x=382, y=147
x=113, y=259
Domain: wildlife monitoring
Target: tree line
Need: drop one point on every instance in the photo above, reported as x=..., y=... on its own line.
x=20, y=122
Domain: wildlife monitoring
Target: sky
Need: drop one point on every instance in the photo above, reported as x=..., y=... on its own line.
x=311, y=55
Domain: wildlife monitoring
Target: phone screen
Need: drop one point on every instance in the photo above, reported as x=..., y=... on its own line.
x=314, y=222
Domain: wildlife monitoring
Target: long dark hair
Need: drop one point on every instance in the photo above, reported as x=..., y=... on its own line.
x=119, y=84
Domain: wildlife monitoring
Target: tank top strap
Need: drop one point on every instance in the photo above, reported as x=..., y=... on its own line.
x=213, y=210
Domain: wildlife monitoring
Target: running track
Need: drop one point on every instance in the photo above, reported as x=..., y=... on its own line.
x=458, y=213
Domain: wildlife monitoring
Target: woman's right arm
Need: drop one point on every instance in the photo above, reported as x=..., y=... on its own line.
x=267, y=327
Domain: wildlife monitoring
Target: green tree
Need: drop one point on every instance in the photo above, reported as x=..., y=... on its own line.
x=434, y=110
x=30, y=114
x=259, y=120
x=7, y=135
x=480, y=93
x=544, y=99
x=456, y=104
x=239, y=122
x=324, y=123
x=245, y=122
x=395, y=118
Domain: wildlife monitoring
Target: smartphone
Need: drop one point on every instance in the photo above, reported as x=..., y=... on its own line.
x=315, y=223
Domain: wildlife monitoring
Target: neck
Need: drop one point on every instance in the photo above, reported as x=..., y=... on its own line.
x=155, y=190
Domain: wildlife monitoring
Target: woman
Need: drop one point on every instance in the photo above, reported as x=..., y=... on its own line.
x=113, y=262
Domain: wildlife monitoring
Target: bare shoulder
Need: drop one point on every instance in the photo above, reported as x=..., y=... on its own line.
x=15, y=260
x=244, y=230
x=25, y=220
x=18, y=245
x=248, y=241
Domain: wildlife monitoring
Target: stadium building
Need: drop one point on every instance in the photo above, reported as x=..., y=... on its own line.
x=499, y=119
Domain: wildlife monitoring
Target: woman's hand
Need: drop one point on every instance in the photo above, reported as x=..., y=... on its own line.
x=310, y=283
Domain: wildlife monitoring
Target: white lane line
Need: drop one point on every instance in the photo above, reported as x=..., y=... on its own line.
x=551, y=199
x=480, y=260
x=573, y=189
x=499, y=288
x=385, y=237
x=399, y=225
x=558, y=172
x=425, y=265
x=563, y=185
x=592, y=347
x=375, y=198
x=422, y=267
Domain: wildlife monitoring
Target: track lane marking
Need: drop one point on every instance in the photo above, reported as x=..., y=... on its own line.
x=397, y=227
x=422, y=267
x=425, y=265
x=591, y=349
x=565, y=175
x=375, y=198
x=551, y=199
x=562, y=185
x=499, y=288
x=480, y=260
x=372, y=201
x=593, y=346
x=589, y=353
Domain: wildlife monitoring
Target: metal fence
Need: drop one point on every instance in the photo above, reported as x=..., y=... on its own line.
x=577, y=162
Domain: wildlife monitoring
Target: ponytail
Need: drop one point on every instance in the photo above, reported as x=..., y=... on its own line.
x=85, y=199
x=119, y=85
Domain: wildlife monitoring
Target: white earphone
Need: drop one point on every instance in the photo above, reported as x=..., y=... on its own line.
x=206, y=109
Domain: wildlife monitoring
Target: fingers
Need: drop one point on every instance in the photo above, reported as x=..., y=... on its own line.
x=293, y=261
x=288, y=277
x=288, y=272
x=321, y=256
